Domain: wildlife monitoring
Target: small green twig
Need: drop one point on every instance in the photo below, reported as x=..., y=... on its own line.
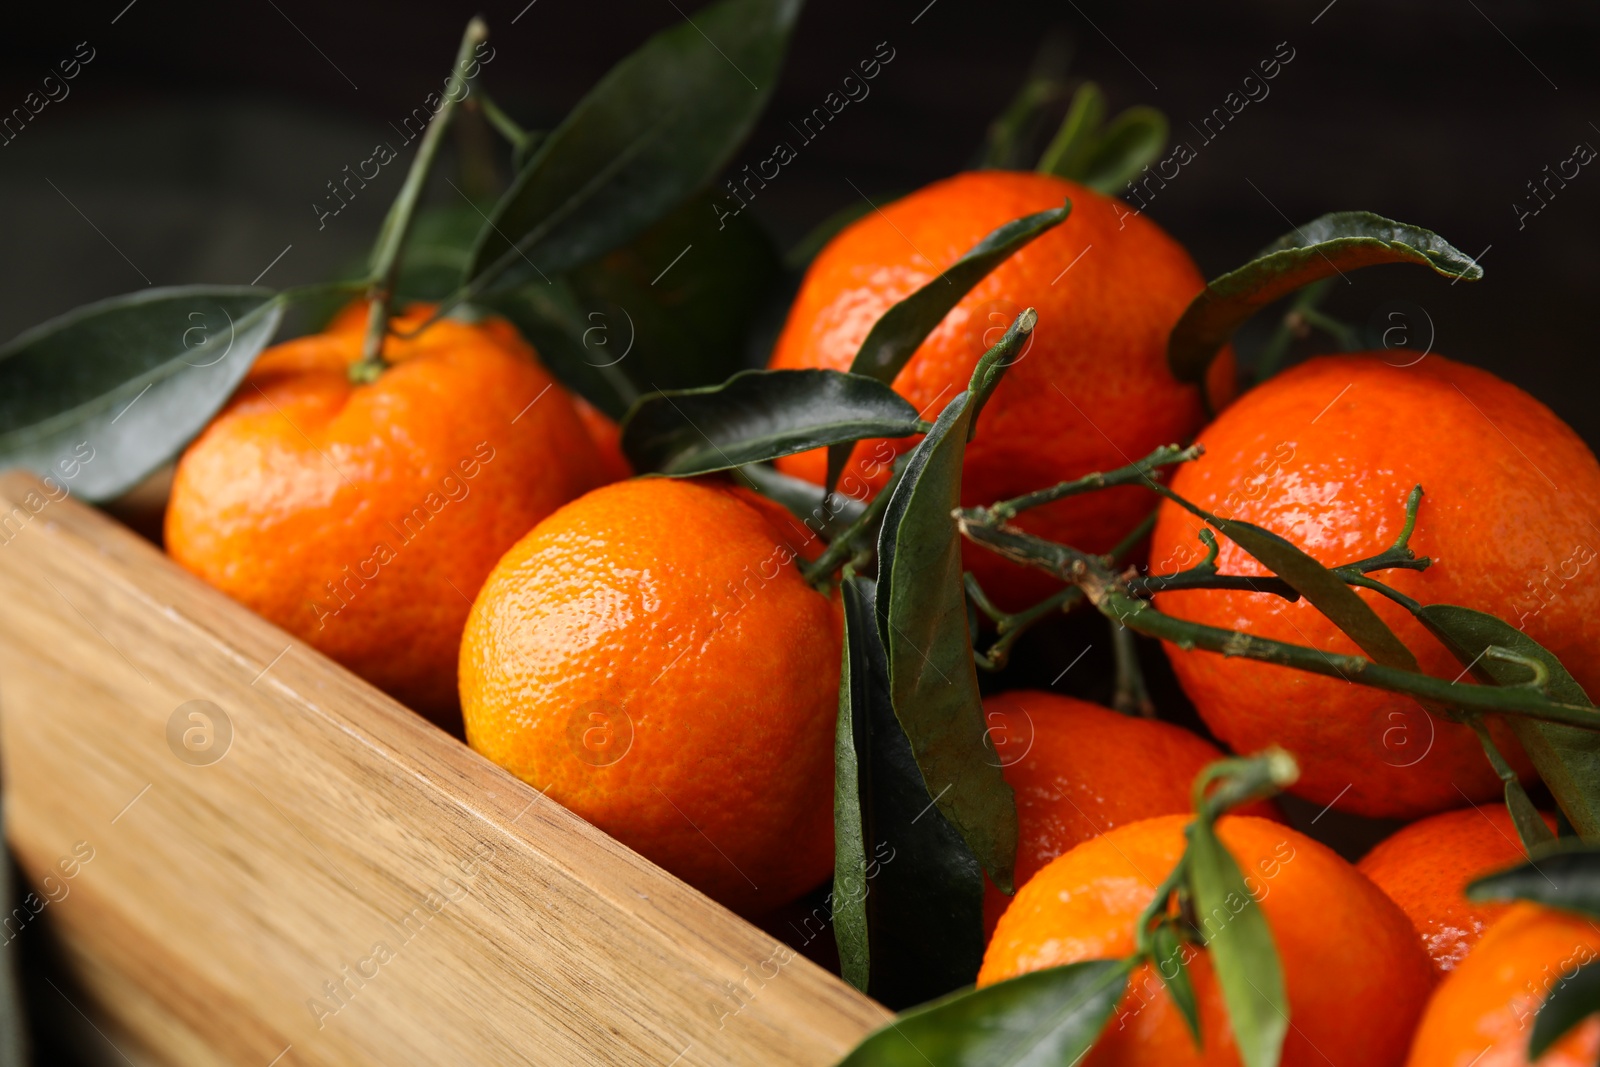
x=841, y=548
x=1157, y=911
x=1133, y=473
x=1009, y=627
x=1530, y=825
x=1132, y=696
x=981, y=599
x=1349, y=337
x=385, y=267
x=503, y=123
x=1293, y=326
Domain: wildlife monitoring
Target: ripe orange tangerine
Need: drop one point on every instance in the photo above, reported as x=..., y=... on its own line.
x=1091, y=391
x=650, y=657
x=1355, y=976
x=1325, y=455
x=362, y=518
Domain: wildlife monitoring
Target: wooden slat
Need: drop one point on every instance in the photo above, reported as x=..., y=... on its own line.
x=221, y=899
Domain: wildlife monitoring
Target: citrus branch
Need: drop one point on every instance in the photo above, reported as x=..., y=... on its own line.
x=397, y=224
x=1134, y=473
x=1112, y=597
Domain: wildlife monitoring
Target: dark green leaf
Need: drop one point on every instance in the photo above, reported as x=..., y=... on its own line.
x=1015, y=131
x=1132, y=141
x=1168, y=951
x=759, y=415
x=1566, y=757
x=643, y=318
x=112, y=390
x=582, y=344
x=1042, y=1019
x=804, y=499
x=1243, y=953
x=657, y=127
x=1567, y=878
x=863, y=678
x=1076, y=137
x=1573, y=1000
x=901, y=870
x=902, y=329
x=437, y=250
x=1531, y=828
x=1324, y=589
x=922, y=619
x=1330, y=245
x=691, y=313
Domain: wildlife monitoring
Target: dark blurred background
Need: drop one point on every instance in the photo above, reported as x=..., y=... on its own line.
x=193, y=144
x=195, y=140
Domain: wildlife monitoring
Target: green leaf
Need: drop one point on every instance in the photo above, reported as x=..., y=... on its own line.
x=759, y=415
x=1042, y=1019
x=1241, y=946
x=1324, y=589
x=1530, y=825
x=689, y=290
x=1016, y=129
x=1075, y=139
x=900, y=331
x=804, y=499
x=583, y=345
x=863, y=679
x=1329, y=245
x=643, y=317
x=922, y=619
x=660, y=125
x=1566, y=878
x=1167, y=951
x=112, y=390
x=1566, y=757
x=437, y=251
x=901, y=870
x=1573, y=1000
x=1132, y=141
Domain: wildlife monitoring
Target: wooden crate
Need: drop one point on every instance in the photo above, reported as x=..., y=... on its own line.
x=345, y=884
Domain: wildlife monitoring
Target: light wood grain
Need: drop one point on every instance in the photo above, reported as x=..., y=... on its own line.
x=221, y=898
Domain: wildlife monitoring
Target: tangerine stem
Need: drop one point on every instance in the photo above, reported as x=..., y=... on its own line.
x=385, y=266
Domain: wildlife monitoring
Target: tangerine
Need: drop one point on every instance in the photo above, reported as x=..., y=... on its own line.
x=1078, y=769
x=1325, y=455
x=1482, y=1013
x=650, y=657
x=1425, y=868
x=1355, y=977
x=607, y=438
x=362, y=518
x=1090, y=392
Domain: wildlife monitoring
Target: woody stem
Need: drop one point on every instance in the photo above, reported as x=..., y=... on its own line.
x=385, y=266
